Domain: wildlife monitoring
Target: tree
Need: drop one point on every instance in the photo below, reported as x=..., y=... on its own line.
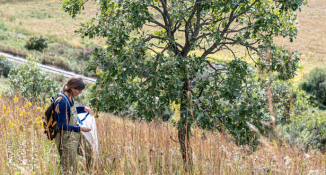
x=148, y=63
x=32, y=82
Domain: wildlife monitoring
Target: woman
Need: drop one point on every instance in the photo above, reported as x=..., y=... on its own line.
x=70, y=141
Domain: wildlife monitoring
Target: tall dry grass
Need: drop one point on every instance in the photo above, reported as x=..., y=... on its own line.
x=138, y=147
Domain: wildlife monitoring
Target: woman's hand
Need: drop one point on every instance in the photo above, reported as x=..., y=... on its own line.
x=87, y=109
x=85, y=128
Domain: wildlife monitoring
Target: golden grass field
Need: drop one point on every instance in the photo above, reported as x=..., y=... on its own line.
x=127, y=147
x=39, y=17
x=311, y=37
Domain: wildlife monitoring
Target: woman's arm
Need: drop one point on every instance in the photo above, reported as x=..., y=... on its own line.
x=80, y=109
x=83, y=109
x=64, y=109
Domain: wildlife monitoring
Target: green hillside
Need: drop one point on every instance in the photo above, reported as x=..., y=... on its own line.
x=19, y=20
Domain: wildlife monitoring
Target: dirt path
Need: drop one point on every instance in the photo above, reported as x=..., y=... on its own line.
x=46, y=68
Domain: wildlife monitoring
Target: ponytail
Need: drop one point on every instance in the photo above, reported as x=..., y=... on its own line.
x=75, y=82
x=65, y=89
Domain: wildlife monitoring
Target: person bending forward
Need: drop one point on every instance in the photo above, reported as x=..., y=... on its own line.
x=70, y=141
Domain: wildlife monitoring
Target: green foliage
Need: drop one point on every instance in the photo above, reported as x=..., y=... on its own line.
x=155, y=69
x=307, y=129
x=283, y=62
x=284, y=96
x=242, y=100
x=5, y=66
x=36, y=43
x=315, y=84
x=307, y=126
x=33, y=83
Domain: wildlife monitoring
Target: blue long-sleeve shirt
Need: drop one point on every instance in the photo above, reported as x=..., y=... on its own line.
x=64, y=109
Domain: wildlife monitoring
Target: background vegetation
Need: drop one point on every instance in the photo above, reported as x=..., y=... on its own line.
x=148, y=148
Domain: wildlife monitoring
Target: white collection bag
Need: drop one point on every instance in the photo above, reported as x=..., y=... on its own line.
x=91, y=136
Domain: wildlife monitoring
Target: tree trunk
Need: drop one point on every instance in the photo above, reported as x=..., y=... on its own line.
x=186, y=152
x=184, y=128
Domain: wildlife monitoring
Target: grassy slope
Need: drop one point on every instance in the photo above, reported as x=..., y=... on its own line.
x=44, y=18
x=23, y=19
x=311, y=36
x=127, y=147
x=19, y=20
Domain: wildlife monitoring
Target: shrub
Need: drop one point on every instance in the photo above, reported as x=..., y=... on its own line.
x=33, y=83
x=307, y=127
x=36, y=43
x=285, y=95
x=315, y=84
x=5, y=66
x=307, y=130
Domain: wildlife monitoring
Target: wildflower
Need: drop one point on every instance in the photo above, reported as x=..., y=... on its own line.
x=15, y=99
x=47, y=105
x=11, y=124
x=38, y=109
x=38, y=119
x=4, y=108
x=0, y=95
x=28, y=113
x=15, y=109
x=28, y=105
x=22, y=113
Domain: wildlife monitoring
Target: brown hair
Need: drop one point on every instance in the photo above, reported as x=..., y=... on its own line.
x=75, y=82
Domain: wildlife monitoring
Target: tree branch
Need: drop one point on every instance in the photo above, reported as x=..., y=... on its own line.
x=163, y=15
x=197, y=28
x=159, y=24
x=177, y=26
x=187, y=26
x=239, y=14
x=231, y=19
x=165, y=9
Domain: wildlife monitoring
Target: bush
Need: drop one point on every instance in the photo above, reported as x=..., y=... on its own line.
x=33, y=83
x=36, y=43
x=308, y=124
x=315, y=84
x=5, y=66
x=307, y=130
x=287, y=100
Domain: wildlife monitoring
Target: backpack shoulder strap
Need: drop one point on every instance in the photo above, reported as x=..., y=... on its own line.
x=63, y=95
x=57, y=98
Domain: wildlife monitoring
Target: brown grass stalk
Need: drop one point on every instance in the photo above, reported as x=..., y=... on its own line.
x=138, y=147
